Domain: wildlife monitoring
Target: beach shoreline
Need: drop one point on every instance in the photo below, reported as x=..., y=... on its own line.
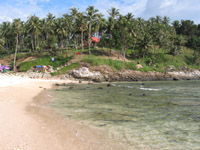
x=24, y=125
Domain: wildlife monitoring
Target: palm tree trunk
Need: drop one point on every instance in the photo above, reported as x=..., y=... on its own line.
x=14, y=65
x=61, y=43
x=89, y=36
x=81, y=42
x=35, y=43
x=110, y=42
x=32, y=45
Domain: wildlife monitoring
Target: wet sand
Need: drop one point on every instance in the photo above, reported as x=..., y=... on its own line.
x=27, y=125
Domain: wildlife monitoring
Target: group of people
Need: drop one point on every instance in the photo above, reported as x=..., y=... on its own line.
x=44, y=69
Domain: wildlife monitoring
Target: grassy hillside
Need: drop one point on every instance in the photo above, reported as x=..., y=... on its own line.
x=160, y=61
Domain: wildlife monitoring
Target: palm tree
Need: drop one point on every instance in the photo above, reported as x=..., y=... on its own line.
x=33, y=28
x=114, y=13
x=82, y=26
x=60, y=30
x=68, y=27
x=50, y=22
x=91, y=15
x=16, y=31
x=99, y=20
x=43, y=31
x=74, y=12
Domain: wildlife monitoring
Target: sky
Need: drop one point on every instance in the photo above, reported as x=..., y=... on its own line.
x=175, y=9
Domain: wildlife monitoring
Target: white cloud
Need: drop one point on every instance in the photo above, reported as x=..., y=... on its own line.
x=31, y=1
x=8, y=12
x=167, y=3
x=175, y=9
x=124, y=6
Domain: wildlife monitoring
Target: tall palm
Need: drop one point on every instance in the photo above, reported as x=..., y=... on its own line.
x=16, y=31
x=74, y=12
x=91, y=15
x=114, y=13
x=68, y=27
x=60, y=30
x=82, y=26
x=50, y=22
x=98, y=23
x=99, y=20
x=43, y=31
x=33, y=28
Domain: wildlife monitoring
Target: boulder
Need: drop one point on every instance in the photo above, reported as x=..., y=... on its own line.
x=85, y=73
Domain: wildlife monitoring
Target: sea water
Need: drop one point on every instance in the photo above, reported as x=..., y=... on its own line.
x=144, y=115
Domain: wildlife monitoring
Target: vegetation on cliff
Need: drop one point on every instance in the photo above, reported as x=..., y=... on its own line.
x=156, y=43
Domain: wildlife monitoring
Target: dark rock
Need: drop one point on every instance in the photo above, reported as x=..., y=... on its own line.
x=175, y=79
x=130, y=94
x=100, y=88
x=57, y=84
x=108, y=85
x=143, y=94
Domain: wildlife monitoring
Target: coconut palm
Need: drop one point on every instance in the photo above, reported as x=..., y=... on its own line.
x=33, y=28
x=74, y=12
x=16, y=27
x=43, y=31
x=50, y=23
x=68, y=27
x=91, y=15
x=60, y=30
x=81, y=24
x=114, y=13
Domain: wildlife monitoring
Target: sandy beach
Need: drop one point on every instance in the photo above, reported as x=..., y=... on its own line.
x=26, y=127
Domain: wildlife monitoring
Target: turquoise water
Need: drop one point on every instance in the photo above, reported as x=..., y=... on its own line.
x=146, y=116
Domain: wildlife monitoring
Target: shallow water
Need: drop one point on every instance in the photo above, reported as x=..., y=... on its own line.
x=145, y=116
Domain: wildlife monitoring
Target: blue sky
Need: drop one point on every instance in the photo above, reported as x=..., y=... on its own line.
x=175, y=9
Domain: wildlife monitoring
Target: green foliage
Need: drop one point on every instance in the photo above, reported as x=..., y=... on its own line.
x=59, y=61
x=65, y=69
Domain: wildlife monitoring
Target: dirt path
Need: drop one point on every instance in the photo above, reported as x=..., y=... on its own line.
x=38, y=130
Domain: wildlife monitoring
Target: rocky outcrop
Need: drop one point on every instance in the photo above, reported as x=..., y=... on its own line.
x=104, y=73
x=85, y=73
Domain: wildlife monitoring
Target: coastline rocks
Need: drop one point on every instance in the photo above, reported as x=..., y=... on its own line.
x=104, y=73
x=187, y=75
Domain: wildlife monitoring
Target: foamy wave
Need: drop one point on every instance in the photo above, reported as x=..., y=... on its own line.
x=150, y=89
